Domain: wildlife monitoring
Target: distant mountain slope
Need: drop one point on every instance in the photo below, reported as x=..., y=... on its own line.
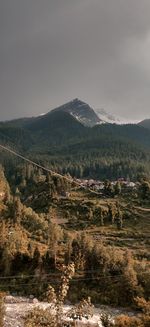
x=78, y=109
x=104, y=151
x=145, y=123
x=60, y=141
x=16, y=137
x=55, y=128
x=131, y=132
x=81, y=111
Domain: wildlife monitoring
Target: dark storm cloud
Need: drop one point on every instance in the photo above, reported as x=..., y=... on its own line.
x=54, y=50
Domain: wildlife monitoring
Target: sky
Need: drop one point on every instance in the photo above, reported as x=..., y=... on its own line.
x=52, y=51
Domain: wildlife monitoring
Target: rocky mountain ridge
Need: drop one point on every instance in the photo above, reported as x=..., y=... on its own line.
x=81, y=111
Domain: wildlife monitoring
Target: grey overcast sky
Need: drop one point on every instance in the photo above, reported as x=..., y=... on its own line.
x=52, y=51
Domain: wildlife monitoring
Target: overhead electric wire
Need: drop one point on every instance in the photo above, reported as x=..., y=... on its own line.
x=71, y=181
x=45, y=168
x=32, y=162
x=58, y=282
x=60, y=275
x=113, y=279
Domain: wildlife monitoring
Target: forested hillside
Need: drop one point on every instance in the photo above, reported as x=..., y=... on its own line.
x=46, y=221
x=62, y=143
x=145, y=123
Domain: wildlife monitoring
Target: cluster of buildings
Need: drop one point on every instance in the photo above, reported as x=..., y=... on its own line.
x=98, y=185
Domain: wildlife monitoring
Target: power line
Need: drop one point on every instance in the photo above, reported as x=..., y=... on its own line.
x=45, y=168
x=71, y=181
x=60, y=274
x=32, y=162
x=56, y=282
x=113, y=279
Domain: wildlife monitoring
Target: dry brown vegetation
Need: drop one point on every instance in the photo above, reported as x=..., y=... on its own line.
x=106, y=237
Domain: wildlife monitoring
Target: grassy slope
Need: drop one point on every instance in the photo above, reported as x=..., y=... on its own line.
x=134, y=235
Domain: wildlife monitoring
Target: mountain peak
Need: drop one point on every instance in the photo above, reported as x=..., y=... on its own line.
x=81, y=111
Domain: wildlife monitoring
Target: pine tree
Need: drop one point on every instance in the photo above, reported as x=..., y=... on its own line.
x=55, y=234
x=17, y=210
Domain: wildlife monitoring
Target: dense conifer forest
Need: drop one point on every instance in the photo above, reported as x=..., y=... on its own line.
x=58, y=141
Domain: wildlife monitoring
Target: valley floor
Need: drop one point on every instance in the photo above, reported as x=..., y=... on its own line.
x=16, y=309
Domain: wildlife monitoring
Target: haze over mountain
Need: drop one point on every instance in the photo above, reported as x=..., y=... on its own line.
x=98, y=50
x=107, y=117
